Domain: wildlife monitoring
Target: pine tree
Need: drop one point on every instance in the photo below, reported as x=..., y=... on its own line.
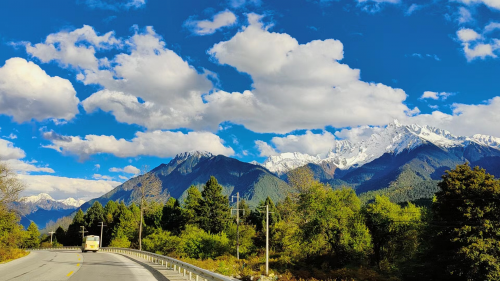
x=213, y=213
x=93, y=218
x=61, y=235
x=173, y=218
x=192, y=204
x=32, y=236
x=73, y=235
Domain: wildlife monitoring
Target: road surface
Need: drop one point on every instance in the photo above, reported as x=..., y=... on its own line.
x=73, y=266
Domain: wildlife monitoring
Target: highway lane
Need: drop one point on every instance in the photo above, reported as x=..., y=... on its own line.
x=73, y=266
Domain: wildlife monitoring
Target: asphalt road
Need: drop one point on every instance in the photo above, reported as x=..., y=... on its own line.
x=73, y=266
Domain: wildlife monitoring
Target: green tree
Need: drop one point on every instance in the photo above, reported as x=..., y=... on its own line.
x=467, y=210
x=32, y=239
x=332, y=227
x=73, y=235
x=213, y=213
x=61, y=235
x=396, y=232
x=192, y=204
x=162, y=242
x=93, y=217
x=174, y=218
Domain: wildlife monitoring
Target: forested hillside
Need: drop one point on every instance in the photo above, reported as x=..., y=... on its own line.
x=319, y=232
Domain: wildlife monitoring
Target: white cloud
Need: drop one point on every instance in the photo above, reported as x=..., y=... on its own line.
x=97, y=167
x=11, y=155
x=466, y=119
x=128, y=169
x=297, y=86
x=102, y=177
x=153, y=143
x=494, y=4
x=435, y=95
x=171, y=88
x=12, y=136
x=123, y=177
x=115, y=5
x=492, y=26
x=8, y=151
x=76, y=48
x=464, y=15
x=357, y=134
x=478, y=51
x=27, y=92
x=265, y=149
x=467, y=35
x=206, y=27
x=61, y=187
x=309, y=143
x=413, y=8
x=25, y=167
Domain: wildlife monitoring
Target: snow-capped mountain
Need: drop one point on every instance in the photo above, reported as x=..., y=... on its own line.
x=45, y=201
x=394, y=139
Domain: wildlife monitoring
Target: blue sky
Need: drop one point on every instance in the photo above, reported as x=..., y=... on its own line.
x=93, y=90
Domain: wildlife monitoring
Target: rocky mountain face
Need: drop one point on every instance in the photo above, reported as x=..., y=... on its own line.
x=253, y=182
x=42, y=208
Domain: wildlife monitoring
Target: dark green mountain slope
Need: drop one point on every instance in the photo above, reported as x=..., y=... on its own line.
x=253, y=182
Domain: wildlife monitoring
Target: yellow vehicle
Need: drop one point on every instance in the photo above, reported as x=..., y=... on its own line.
x=90, y=243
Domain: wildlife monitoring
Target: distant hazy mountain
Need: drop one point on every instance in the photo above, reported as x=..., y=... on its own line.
x=253, y=182
x=42, y=208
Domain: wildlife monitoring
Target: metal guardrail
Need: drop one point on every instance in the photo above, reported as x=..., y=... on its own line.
x=189, y=271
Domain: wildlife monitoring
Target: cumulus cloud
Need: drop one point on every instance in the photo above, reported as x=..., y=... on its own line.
x=476, y=45
x=62, y=187
x=27, y=92
x=493, y=4
x=170, y=88
x=465, y=119
x=207, y=27
x=153, y=143
x=9, y=151
x=128, y=169
x=297, y=86
x=114, y=5
x=435, y=95
x=413, y=8
x=11, y=155
x=76, y=48
x=102, y=177
x=358, y=134
x=467, y=35
x=309, y=143
x=464, y=15
x=265, y=149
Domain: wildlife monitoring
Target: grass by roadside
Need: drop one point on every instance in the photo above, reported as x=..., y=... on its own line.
x=9, y=254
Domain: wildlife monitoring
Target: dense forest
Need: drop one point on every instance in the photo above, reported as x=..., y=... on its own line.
x=317, y=232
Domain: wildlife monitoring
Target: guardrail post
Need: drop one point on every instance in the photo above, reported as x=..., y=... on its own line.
x=196, y=277
x=190, y=276
x=184, y=272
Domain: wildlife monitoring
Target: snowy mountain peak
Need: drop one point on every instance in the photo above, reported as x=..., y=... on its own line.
x=44, y=198
x=394, y=138
x=37, y=198
x=193, y=153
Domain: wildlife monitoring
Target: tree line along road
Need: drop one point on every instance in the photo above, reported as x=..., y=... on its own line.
x=73, y=266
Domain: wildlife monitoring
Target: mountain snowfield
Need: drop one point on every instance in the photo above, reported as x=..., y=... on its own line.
x=394, y=139
x=44, y=197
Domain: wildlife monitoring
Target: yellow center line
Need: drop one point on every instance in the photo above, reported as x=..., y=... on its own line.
x=69, y=274
x=77, y=264
x=79, y=258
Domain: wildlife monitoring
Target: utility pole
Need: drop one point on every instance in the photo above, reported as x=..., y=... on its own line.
x=237, y=222
x=100, y=238
x=51, y=232
x=83, y=232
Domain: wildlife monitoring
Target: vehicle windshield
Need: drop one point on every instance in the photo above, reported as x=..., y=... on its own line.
x=93, y=238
